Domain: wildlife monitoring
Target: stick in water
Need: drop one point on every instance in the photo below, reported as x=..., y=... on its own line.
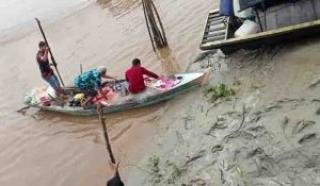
x=106, y=136
x=52, y=58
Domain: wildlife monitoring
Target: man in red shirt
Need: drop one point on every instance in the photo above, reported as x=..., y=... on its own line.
x=134, y=77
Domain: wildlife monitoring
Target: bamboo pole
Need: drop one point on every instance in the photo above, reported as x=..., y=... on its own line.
x=148, y=26
x=106, y=137
x=51, y=55
x=161, y=25
x=157, y=35
x=105, y=133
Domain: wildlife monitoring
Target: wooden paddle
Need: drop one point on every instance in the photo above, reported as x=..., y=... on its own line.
x=52, y=58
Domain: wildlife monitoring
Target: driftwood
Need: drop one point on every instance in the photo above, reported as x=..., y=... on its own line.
x=307, y=138
x=195, y=157
x=240, y=126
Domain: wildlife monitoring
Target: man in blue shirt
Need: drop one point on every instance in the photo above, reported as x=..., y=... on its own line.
x=90, y=82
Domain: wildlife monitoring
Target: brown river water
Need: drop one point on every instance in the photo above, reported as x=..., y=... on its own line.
x=39, y=148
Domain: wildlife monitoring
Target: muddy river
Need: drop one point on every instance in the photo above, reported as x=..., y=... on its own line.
x=39, y=148
x=267, y=132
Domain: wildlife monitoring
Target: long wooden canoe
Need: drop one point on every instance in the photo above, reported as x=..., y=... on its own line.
x=188, y=81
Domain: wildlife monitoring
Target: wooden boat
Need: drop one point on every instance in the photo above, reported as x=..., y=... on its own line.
x=154, y=94
x=280, y=22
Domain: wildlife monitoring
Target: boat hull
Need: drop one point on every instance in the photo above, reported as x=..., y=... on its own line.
x=128, y=105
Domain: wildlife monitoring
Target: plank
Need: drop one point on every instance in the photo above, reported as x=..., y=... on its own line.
x=214, y=15
x=215, y=22
x=217, y=27
x=217, y=33
x=217, y=38
x=215, y=18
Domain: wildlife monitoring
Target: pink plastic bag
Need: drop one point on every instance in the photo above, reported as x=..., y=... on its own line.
x=167, y=83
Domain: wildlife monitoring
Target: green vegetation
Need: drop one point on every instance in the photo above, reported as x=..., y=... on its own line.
x=176, y=173
x=220, y=91
x=153, y=163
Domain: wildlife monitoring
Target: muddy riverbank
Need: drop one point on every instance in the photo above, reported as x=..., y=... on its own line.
x=266, y=134
x=276, y=142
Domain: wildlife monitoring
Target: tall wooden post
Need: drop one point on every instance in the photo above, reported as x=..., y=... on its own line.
x=106, y=137
x=157, y=35
x=105, y=133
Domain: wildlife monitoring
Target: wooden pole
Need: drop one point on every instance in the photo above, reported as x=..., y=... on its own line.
x=148, y=26
x=52, y=58
x=157, y=35
x=106, y=137
x=160, y=22
x=154, y=26
x=105, y=133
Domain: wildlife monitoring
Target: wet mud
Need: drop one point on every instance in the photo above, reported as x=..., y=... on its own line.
x=265, y=134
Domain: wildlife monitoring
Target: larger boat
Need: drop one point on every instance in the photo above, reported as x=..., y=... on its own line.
x=277, y=21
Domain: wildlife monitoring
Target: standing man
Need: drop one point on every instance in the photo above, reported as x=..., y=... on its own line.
x=45, y=69
x=134, y=77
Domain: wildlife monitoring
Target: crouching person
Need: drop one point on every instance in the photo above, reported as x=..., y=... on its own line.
x=90, y=83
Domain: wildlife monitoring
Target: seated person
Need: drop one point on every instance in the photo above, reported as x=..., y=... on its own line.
x=90, y=82
x=135, y=77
